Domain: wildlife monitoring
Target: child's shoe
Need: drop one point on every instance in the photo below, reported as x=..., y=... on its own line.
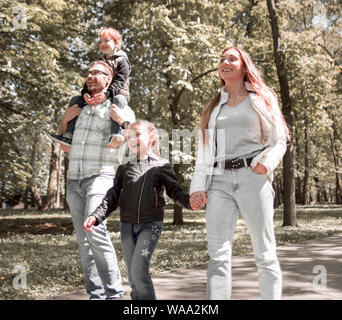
x=60, y=138
x=115, y=141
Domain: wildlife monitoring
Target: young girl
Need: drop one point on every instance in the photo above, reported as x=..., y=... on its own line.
x=138, y=191
x=118, y=91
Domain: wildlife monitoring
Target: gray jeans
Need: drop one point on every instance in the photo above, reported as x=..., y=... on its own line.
x=138, y=243
x=98, y=257
x=241, y=190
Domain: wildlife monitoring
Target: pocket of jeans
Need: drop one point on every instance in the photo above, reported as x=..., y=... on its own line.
x=257, y=177
x=258, y=174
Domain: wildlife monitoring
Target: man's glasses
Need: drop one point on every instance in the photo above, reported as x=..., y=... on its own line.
x=96, y=73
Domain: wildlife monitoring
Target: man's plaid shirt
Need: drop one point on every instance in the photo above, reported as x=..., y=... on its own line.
x=88, y=155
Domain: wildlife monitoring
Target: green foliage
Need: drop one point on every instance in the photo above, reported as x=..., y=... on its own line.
x=39, y=71
x=173, y=47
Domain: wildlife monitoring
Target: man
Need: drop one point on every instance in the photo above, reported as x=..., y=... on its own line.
x=91, y=172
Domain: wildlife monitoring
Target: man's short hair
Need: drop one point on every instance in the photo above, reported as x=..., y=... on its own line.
x=106, y=67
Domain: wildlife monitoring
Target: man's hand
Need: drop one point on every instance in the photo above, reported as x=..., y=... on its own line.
x=68, y=115
x=260, y=169
x=198, y=200
x=115, y=115
x=71, y=113
x=91, y=220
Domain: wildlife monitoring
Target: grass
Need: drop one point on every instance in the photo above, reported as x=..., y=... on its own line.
x=45, y=245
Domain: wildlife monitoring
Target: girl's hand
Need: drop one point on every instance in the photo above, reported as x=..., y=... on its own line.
x=65, y=148
x=98, y=98
x=88, y=98
x=260, y=169
x=91, y=220
x=115, y=115
x=198, y=199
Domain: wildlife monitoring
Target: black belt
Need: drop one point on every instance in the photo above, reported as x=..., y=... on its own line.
x=234, y=163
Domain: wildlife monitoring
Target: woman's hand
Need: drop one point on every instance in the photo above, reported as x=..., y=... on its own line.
x=91, y=220
x=260, y=169
x=198, y=200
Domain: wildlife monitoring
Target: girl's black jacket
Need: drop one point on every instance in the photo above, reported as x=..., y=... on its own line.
x=138, y=191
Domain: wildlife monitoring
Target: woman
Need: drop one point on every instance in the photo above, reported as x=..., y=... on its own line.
x=243, y=139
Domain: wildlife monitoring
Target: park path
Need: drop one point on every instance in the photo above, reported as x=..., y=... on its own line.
x=303, y=265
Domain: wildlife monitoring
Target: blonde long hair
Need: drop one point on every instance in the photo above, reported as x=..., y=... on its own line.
x=256, y=82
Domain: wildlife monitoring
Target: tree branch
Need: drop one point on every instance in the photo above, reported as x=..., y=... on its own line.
x=192, y=81
x=327, y=51
x=12, y=109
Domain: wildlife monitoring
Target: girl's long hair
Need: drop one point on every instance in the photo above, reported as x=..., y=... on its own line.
x=256, y=82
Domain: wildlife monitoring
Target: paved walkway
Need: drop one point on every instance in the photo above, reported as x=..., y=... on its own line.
x=303, y=266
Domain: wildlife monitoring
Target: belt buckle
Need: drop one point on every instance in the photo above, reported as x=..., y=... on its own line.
x=235, y=163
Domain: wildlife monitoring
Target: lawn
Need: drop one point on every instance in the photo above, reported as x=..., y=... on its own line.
x=45, y=246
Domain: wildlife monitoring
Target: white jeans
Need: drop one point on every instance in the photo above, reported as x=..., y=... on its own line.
x=241, y=190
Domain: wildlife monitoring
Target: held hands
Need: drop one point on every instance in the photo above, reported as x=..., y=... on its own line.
x=96, y=99
x=99, y=98
x=87, y=98
x=198, y=200
x=91, y=220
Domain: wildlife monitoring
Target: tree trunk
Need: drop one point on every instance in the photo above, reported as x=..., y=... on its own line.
x=66, y=167
x=59, y=170
x=36, y=199
x=26, y=195
x=289, y=218
x=338, y=188
x=288, y=168
x=277, y=193
x=298, y=189
x=306, y=164
x=52, y=186
x=178, y=210
x=318, y=190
